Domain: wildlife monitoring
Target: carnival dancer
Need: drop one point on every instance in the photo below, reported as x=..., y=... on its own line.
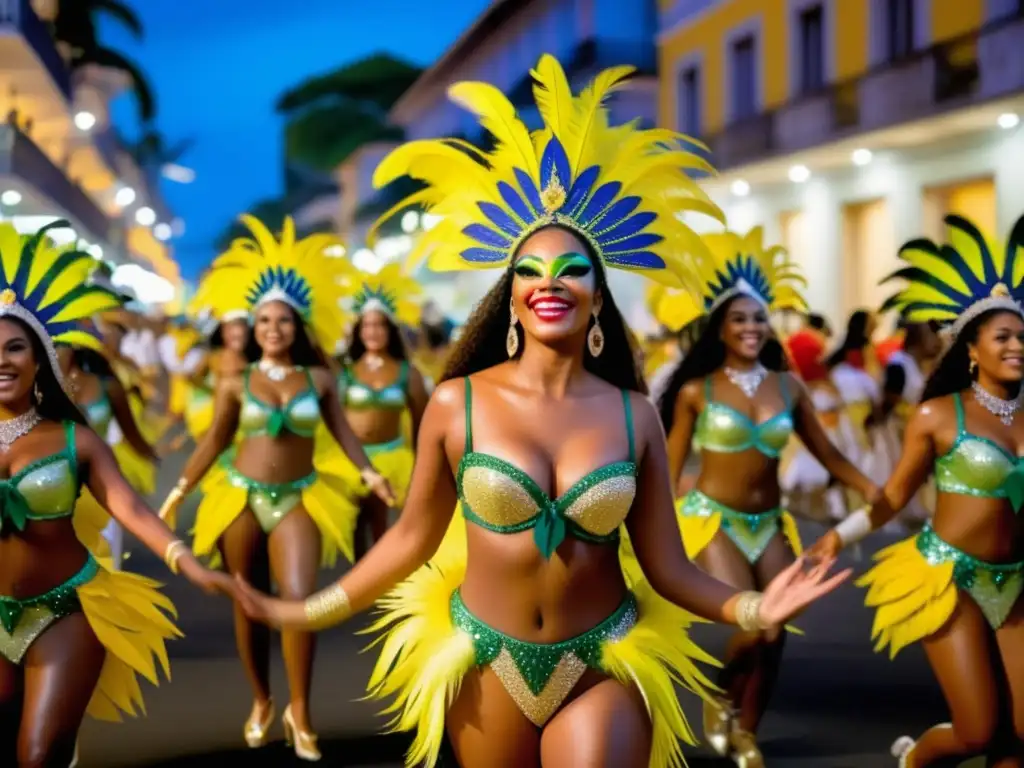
x=732, y=394
x=955, y=587
x=523, y=637
x=272, y=513
x=378, y=386
x=808, y=489
x=74, y=633
x=905, y=374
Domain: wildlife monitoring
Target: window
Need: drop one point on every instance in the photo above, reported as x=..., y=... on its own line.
x=812, y=49
x=689, y=101
x=744, y=78
x=900, y=28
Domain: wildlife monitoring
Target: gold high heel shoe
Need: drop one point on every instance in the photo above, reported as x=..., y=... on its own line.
x=303, y=742
x=718, y=724
x=256, y=728
x=745, y=752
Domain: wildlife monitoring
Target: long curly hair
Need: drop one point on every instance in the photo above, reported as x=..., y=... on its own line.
x=54, y=405
x=706, y=356
x=303, y=351
x=953, y=373
x=481, y=344
x=396, y=345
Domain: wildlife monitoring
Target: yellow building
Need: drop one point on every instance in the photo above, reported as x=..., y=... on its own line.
x=846, y=127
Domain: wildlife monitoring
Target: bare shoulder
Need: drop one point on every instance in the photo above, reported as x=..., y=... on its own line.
x=933, y=414
x=321, y=377
x=449, y=396
x=87, y=443
x=692, y=393
x=646, y=420
x=791, y=384
x=230, y=384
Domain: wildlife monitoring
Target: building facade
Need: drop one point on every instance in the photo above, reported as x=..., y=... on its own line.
x=847, y=127
x=59, y=156
x=501, y=47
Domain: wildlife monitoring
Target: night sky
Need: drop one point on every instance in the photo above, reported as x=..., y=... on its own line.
x=218, y=66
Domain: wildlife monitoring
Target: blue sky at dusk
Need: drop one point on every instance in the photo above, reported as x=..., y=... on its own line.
x=218, y=66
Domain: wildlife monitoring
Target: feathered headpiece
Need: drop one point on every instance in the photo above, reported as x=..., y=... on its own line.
x=300, y=273
x=955, y=282
x=392, y=292
x=48, y=287
x=622, y=189
x=740, y=265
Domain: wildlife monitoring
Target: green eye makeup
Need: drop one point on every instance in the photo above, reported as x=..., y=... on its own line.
x=568, y=265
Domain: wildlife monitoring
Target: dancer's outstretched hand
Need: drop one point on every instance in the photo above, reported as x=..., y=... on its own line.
x=797, y=587
x=272, y=611
x=825, y=548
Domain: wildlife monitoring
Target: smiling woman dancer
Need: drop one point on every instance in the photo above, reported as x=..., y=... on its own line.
x=73, y=633
x=523, y=637
x=271, y=512
x=956, y=586
x=733, y=398
x=383, y=396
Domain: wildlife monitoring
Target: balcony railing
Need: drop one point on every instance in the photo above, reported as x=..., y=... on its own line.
x=984, y=64
x=17, y=17
x=21, y=158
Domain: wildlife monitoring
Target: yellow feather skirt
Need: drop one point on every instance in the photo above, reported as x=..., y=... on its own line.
x=139, y=472
x=424, y=657
x=198, y=412
x=178, y=396
x=326, y=501
x=697, y=532
x=913, y=598
x=130, y=617
x=393, y=460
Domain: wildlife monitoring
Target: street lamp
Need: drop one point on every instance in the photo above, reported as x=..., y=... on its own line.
x=145, y=216
x=10, y=197
x=125, y=196
x=84, y=121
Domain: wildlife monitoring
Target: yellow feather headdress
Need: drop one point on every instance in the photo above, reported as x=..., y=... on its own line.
x=299, y=273
x=621, y=188
x=955, y=282
x=390, y=291
x=740, y=265
x=48, y=287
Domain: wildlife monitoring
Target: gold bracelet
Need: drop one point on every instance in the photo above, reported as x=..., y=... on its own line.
x=173, y=554
x=181, y=485
x=369, y=474
x=748, y=611
x=328, y=606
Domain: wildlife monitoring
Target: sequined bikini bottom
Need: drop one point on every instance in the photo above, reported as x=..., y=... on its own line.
x=995, y=587
x=270, y=502
x=22, y=620
x=539, y=676
x=751, y=532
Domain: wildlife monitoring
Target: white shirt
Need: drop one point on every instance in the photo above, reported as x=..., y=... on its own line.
x=139, y=346
x=167, y=348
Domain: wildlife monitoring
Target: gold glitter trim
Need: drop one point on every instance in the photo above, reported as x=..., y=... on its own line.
x=539, y=709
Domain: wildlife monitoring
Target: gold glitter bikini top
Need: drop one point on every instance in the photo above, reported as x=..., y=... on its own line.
x=500, y=497
x=44, y=489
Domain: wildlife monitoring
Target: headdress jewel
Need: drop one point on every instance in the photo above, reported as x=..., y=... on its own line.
x=957, y=281
x=622, y=189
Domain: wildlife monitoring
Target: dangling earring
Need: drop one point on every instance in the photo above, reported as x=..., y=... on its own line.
x=512, y=339
x=595, y=339
x=972, y=368
x=38, y=393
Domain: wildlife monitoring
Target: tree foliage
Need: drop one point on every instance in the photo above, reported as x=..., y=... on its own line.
x=377, y=80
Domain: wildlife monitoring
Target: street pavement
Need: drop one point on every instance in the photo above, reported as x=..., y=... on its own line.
x=837, y=705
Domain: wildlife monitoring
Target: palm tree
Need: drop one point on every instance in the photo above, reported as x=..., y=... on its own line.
x=332, y=115
x=75, y=26
x=152, y=152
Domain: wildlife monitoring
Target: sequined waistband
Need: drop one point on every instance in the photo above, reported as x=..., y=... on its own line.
x=61, y=599
x=273, y=490
x=698, y=504
x=936, y=551
x=375, y=449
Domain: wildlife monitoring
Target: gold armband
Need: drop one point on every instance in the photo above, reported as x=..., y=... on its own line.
x=369, y=474
x=173, y=554
x=328, y=606
x=748, y=611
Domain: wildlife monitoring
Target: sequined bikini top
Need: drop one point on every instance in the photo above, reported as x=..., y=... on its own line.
x=723, y=429
x=977, y=466
x=500, y=497
x=99, y=413
x=300, y=415
x=357, y=395
x=44, y=489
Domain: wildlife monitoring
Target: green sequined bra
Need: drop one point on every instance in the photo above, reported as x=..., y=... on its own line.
x=977, y=466
x=722, y=429
x=44, y=489
x=500, y=497
x=300, y=415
